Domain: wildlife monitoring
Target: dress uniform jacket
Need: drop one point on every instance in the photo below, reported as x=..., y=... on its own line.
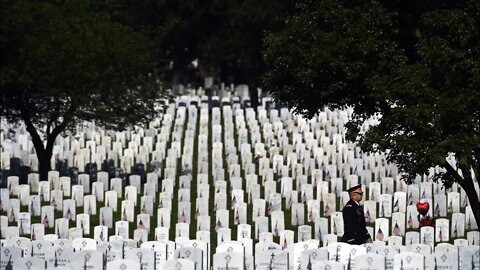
x=355, y=227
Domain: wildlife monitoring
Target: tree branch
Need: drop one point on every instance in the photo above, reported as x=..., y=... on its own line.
x=463, y=163
x=61, y=127
x=25, y=116
x=49, y=126
x=453, y=172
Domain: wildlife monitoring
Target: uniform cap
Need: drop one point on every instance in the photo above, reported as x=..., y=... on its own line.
x=354, y=188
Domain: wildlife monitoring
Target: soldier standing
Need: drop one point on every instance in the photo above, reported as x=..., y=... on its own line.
x=355, y=228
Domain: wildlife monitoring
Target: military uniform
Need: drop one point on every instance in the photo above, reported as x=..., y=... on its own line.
x=355, y=227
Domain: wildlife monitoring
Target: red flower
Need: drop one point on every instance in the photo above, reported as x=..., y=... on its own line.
x=426, y=221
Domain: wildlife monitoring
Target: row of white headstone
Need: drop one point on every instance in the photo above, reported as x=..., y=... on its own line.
x=110, y=199
x=328, y=157
x=54, y=253
x=89, y=202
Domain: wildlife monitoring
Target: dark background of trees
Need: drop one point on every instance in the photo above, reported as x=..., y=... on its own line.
x=225, y=37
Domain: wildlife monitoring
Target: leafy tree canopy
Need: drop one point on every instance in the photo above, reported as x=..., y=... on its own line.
x=413, y=64
x=64, y=63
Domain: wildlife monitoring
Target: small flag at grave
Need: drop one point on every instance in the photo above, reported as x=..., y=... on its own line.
x=380, y=235
x=218, y=225
x=395, y=206
x=410, y=221
x=124, y=215
x=82, y=226
x=327, y=210
x=161, y=221
x=396, y=230
x=140, y=225
x=45, y=221
x=368, y=217
x=237, y=217
x=68, y=214
x=11, y=217
x=54, y=203
x=101, y=236
x=182, y=218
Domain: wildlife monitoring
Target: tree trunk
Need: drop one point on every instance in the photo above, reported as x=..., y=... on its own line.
x=473, y=199
x=43, y=154
x=475, y=204
x=467, y=184
x=44, y=165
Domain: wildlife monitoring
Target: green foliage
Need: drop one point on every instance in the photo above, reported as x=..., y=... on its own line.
x=64, y=63
x=415, y=66
x=63, y=56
